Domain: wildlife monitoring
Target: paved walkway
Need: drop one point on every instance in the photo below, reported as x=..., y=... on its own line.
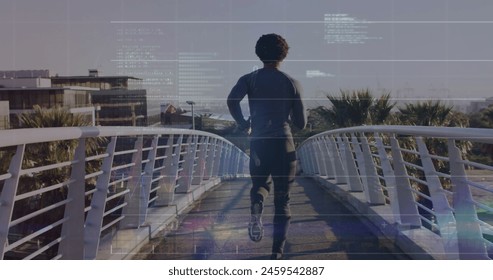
x=322, y=228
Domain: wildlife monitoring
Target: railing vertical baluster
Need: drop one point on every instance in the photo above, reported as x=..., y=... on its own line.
x=303, y=160
x=389, y=177
x=223, y=162
x=166, y=193
x=148, y=176
x=335, y=155
x=188, y=165
x=359, y=163
x=313, y=153
x=341, y=148
x=94, y=219
x=321, y=157
x=211, y=150
x=313, y=161
x=241, y=164
x=231, y=161
x=408, y=211
x=443, y=212
x=218, y=155
x=352, y=171
x=309, y=158
x=135, y=197
x=329, y=165
x=198, y=175
x=236, y=162
x=375, y=191
x=72, y=243
x=470, y=237
x=7, y=197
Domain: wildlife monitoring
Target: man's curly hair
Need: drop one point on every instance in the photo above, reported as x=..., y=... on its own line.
x=271, y=48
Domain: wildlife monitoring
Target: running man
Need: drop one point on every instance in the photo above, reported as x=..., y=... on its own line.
x=275, y=101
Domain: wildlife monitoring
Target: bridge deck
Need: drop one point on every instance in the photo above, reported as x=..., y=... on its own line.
x=321, y=228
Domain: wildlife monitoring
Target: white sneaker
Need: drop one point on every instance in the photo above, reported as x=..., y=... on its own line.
x=255, y=227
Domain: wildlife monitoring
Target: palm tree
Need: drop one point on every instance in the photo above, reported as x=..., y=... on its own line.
x=430, y=113
x=434, y=113
x=56, y=151
x=381, y=109
x=42, y=154
x=358, y=107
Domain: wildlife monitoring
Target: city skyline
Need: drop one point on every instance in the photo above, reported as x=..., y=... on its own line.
x=416, y=50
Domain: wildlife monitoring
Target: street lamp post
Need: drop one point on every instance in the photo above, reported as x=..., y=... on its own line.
x=191, y=103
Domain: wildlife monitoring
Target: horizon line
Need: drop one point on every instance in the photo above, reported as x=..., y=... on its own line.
x=304, y=60
x=306, y=21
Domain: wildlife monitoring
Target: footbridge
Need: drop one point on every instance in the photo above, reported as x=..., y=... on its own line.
x=374, y=192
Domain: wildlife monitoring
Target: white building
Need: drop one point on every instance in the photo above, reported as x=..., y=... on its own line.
x=21, y=90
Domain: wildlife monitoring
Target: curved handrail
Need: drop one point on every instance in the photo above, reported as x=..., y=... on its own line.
x=129, y=177
x=14, y=137
x=484, y=135
x=425, y=184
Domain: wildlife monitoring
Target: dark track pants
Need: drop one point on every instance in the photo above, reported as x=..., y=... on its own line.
x=273, y=161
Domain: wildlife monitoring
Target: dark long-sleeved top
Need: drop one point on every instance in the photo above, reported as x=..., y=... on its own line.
x=274, y=98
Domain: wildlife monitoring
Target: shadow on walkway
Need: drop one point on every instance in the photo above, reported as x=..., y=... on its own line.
x=216, y=228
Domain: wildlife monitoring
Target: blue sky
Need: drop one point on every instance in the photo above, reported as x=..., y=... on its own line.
x=435, y=48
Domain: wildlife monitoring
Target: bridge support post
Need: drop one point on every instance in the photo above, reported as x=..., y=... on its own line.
x=352, y=171
x=321, y=157
x=188, y=165
x=218, y=154
x=329, y=169
x=408, y=210
x=166, y=193
x=233, y=162
x=443, y=212
x=223, y=169
x=72, y=244
x=7, y=197
x=339, y=172
x=311, y=160
x=211, y=151
x=470, y=237
x=241, y=165
x=94, y=219
x=360, y=160
x=389, y=177
x=148, y=178
x=375, y=192
x=198, y=174
x=313, y=153
x=135, y=197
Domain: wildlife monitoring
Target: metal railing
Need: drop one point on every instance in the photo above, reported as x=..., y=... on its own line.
x=421, y=174
x=62, y=189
